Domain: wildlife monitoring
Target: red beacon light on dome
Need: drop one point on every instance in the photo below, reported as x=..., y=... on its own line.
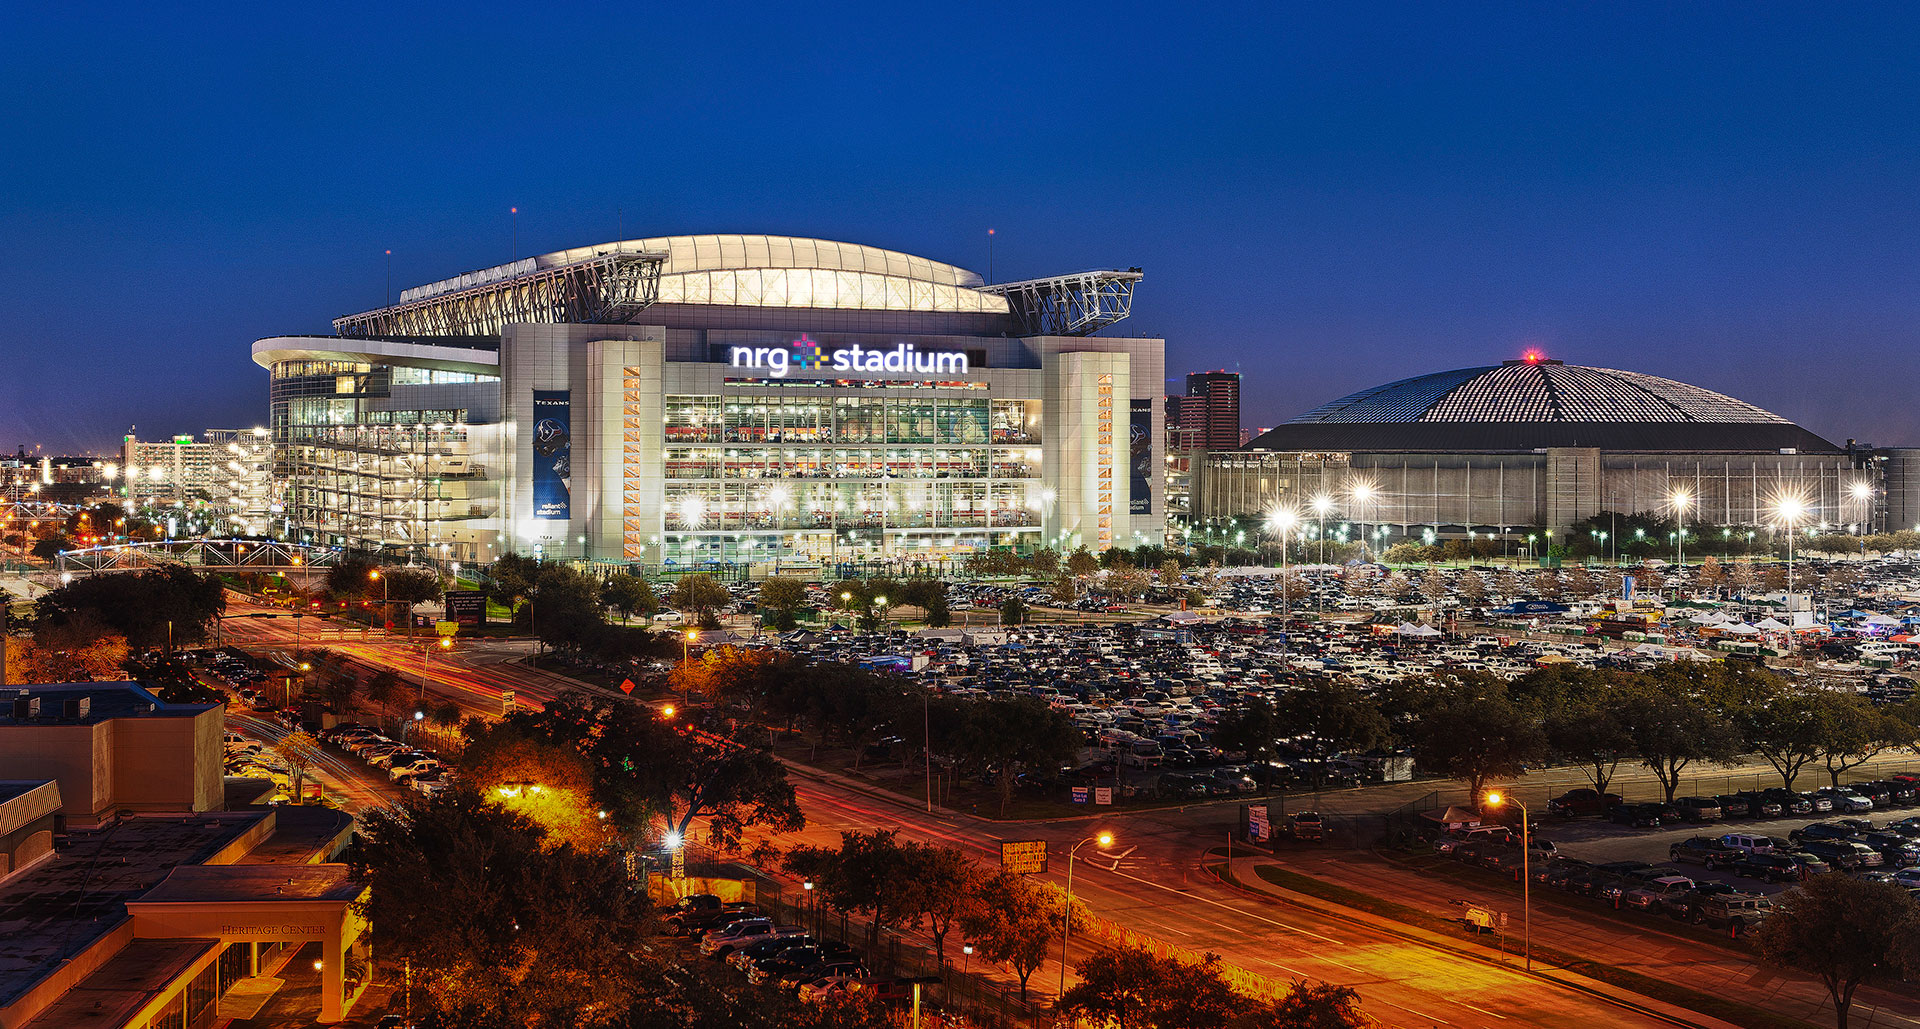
x=1533, y=356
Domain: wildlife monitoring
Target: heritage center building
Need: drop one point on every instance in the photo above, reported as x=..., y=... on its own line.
x=693, y=399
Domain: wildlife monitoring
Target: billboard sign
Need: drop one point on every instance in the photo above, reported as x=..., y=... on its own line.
x=552, y=454
x=1023, y=856
x=466, y=607
x=1140, y=457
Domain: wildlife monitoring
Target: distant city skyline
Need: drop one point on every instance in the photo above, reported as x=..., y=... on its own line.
x=1320, y=199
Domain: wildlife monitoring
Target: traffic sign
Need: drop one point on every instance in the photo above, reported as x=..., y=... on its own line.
x=506, y=702
x=1103, y=794
x=1023, y=855
x=1079, y=794
x=626, y=687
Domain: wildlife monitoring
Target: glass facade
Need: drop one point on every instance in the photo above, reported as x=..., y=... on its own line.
x=369, y=471
x=748, y=475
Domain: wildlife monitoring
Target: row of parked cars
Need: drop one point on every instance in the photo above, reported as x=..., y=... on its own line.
x=1855, y=798
x=409, y=766
x=776, y=955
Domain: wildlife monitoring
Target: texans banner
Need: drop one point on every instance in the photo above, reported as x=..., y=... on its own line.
x=552, y=454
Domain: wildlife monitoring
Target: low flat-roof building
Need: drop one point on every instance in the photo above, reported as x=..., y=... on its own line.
x=128, y=898
x=113, y=746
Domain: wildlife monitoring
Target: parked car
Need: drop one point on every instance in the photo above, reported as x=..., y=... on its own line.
x=1751, y=843
x=1708, y=850
x=1897, y=850
x=1759, y=805
x=1734, y=806
x=1738, y=913
x=1698, y=809
x=1574, y=803
x=1822, y=831
x=1845, y=855
x=1769, y=867
x=1844, y=799
x=1638, y=816
x=1649, y=896
x=1681, y=905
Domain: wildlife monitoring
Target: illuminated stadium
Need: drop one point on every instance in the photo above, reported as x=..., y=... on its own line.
x=733, y=399
x=1536, y=443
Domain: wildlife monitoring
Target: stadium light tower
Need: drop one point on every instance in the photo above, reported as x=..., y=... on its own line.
x=1680, y=501
x=1789, y=510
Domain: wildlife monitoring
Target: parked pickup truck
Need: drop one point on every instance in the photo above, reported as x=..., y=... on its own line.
x=1708, y=850
x=1306, y=825
x=1575, y=803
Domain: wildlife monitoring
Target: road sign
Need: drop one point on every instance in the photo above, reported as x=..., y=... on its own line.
x=1023, y=855
x=506, y=702
x=1258, y=828
x=1080, y=794
x=626, y=687
x=446, y=628
x=1103, y=794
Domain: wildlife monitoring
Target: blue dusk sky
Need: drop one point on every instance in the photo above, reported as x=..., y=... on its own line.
x=1322, y=196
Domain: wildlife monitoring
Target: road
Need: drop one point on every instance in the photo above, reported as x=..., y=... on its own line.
x=1150, y=880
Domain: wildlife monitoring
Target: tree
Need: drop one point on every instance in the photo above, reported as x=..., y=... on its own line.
x=926, y=593
x=501, y=927
x=1741, y=578
x=153, y=609
x=942, y=882
x=1778, y=721
x=1309, y=1005
x=871, y=874
x=79, y=648
x=384, y=688
x=1851, y=731
x=1329, y=716
x=1672, y=723
x=1169, y=574
x=628, y=594
x=1845, y=931
x=1008, y=737
x=411, y=587
x=1711, y=575
x=349, y=577
x=1082, y=563
x=1013, y=922
x=298, y=751
x=700, y=595
x=1131, y=988
x=1254, y=729
x=781, y=598
x=1585, y=726
x=1469, y=729
x=650, y=773
x=510, y=579
x=1013, y=611
x=549, y=784
x=51, y=547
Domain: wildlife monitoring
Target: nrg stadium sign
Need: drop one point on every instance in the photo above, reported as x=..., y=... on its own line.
x=806, y=355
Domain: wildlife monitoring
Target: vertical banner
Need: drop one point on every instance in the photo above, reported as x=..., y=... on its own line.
x=552, y=454
x=1140, y=457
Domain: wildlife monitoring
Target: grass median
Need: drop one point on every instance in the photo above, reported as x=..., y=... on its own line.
x=1647, y=986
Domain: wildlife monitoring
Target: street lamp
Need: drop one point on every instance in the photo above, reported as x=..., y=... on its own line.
x=1105, y=840
x=446, y=643
x=1680, y=501
x=1321, y=505
x=1789, y=510
x=1497, y=799
x=1280, y=521
x=1361, y=492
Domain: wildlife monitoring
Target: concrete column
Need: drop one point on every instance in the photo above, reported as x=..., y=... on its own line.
x=333, y=977
x=253, y=957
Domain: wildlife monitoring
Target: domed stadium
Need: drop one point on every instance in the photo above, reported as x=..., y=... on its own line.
x=1537, y=444
x=1533, y=403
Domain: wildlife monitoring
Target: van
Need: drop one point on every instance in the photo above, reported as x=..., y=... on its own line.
x=1749, y=843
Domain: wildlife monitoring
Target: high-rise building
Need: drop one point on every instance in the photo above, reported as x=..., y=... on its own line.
x=1210, y=413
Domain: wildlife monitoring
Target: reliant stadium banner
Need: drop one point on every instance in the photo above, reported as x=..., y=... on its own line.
x=1140, y=457
x=552, y=454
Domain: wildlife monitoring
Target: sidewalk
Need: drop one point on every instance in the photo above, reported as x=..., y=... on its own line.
x=1246, y=873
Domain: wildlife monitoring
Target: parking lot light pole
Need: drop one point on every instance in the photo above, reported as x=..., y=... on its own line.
x=1497, y=799
x=1105, y=839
